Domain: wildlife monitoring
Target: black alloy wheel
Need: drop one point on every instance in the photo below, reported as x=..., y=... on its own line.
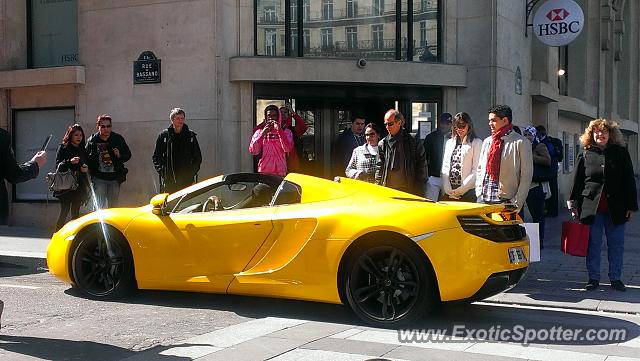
x=388, y=285
x=103, y=269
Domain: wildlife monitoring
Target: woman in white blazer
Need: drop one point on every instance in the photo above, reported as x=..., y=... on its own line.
x=460, y=161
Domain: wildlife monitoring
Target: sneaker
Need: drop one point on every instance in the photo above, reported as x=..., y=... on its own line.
x=592, y=285
x=618, y=286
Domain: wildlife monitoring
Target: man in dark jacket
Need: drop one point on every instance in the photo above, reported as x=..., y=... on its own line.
x=554, y=146
x=434, y=149
x=107, y=151
x=347, y=141
x=177, y=156
x=401, y=160
x=14, y=173
x=11, y=171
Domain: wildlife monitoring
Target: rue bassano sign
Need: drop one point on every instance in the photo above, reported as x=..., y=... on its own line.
x=146, y=70
x=558, y=22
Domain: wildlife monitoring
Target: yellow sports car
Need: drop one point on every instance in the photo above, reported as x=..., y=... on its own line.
x=389, y=255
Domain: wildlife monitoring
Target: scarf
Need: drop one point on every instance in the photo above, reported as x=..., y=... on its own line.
x=495, y=152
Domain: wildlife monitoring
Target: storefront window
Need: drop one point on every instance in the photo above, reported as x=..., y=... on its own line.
x=53, y=33
x=351, y=28
x=270, y=29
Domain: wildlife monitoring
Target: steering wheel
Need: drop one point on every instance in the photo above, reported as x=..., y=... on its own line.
x=210, y=204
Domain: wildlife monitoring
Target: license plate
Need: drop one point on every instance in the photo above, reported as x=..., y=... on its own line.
x=516, y=255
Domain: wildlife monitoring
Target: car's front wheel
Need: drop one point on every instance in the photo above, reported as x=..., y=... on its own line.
x=102, y=266
x=388, y=284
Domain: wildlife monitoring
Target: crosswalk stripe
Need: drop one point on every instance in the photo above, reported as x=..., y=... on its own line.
x=320, y=355
x=20, y=286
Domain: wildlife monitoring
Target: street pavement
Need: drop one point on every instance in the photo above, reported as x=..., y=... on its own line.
x=556, y=282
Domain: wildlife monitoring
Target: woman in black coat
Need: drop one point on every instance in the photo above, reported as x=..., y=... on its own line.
x=72, y=155
x=604, y=196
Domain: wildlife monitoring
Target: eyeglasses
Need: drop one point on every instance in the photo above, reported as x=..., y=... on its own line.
x=389, y=124
x=369, y=134
x=105, y=125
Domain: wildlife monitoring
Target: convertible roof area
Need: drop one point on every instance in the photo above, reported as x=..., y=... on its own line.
x=271, y=180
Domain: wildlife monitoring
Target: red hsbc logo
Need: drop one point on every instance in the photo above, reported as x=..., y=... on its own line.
x=557, y=14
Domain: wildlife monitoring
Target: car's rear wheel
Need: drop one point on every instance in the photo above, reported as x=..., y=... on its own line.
x=388, y=284
x=103, y=268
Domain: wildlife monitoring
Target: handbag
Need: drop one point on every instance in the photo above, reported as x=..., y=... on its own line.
x=575, y=239
x=59, y=181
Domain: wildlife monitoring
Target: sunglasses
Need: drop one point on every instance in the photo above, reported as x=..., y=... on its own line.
x=369, y=134
x=105, y=125
x=461, y=125
x=390, y=124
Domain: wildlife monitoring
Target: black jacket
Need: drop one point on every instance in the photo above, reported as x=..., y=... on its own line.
x=345, y=144
x=434, y=149
x=115, y=140
x=610, y=170
x=415, y=164
x=63, y=163
x=11, y=171
x=177, y=158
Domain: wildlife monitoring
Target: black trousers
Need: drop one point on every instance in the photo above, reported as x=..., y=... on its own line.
x=551, y=204
x=69, y=203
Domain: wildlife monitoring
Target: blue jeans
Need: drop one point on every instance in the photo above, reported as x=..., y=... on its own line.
x=107, y=192
x=615, y=247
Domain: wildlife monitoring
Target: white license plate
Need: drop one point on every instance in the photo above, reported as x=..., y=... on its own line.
x=516, y=255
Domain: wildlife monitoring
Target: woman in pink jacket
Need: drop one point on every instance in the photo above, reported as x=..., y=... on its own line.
x=273, y=141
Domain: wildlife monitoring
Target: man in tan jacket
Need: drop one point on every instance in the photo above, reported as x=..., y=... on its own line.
x=506, y=163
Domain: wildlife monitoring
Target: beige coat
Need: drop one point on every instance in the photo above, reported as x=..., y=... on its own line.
x=516, y=168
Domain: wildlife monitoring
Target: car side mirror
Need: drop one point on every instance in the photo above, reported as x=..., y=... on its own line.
x=159, y=202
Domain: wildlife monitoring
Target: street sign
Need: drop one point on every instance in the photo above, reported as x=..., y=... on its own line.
x=146, y=69
x=558, y=22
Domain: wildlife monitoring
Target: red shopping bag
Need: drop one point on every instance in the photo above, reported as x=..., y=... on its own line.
x=575, y=239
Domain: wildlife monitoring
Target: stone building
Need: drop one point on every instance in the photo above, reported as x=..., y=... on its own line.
x=67, y=61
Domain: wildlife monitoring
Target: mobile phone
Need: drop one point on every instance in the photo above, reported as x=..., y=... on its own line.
x=46, y=142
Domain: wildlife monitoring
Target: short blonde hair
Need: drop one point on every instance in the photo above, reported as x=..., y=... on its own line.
x=615, y=135
x=176, y=111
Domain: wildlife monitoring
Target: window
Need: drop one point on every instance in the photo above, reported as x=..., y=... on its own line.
x=378, y=33
x=327, y=9
x=352, y=37
x=352, y=8
x=306, y=40
x=288, y=193
x=270, y=14
x=326, y=39
x=377, y=8
x=269, y=24
x=53, y=33
x=31, y=127
x=306, y=10
x=270, y=42
x=362, y=29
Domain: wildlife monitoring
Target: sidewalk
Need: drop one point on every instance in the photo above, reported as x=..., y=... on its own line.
x=556, y=281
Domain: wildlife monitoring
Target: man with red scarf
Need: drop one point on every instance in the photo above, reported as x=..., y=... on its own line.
x=506, y=163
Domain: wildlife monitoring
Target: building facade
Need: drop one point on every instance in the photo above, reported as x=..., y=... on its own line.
x=65, y=62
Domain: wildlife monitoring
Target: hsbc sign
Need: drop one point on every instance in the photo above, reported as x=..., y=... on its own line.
x=558, y=22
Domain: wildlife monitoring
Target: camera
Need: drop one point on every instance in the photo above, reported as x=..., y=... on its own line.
x=362, y=63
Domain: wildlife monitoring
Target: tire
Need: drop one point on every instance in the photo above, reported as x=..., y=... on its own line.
x=383, y=297
x=103, y=270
